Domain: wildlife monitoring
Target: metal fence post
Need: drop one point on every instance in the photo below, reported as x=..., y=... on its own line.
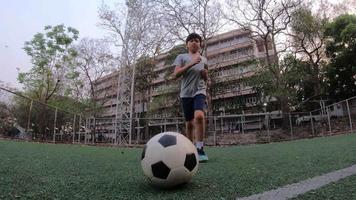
x=113, y=129
x=73, y=128
x=215, y=130
x=177, y=125
x=221, y=124
x=242, y=122
x=268, y=133
x=291, y=127
x=327, y=111
x=87, y=127
x=165, y=125
x=348, y=111
x=54, y=126
x=79, y=128
x=94, y=131
x=312, y=124
x=130, y=131
x=29, y=117
x=138, y=130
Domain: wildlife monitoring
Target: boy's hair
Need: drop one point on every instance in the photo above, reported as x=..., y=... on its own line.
x=193, y=36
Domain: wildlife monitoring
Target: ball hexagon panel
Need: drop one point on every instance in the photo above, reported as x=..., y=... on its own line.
x=179, y=175
x=146, y=167
x=154, y=153
x=174, y=156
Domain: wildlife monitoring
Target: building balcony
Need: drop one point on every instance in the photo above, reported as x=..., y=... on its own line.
x=232, y=77
x=161, y=68
x=227, y=35
x=158, y=80
x=229, y=94
x=173, y=89
x=232, y=61
x=156, y=106
x=229, y=48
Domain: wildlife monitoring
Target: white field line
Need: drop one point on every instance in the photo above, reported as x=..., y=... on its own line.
x=295, y=189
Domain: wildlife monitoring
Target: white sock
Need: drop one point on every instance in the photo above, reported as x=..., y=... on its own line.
x=199, y=144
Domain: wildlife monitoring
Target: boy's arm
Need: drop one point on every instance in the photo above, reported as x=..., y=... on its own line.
x=180, y=70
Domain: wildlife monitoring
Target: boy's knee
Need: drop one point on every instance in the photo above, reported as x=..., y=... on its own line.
x=199, y=116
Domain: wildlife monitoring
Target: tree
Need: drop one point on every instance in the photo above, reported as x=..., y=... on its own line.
x=7, y=118
x=144, y=77
x=309, y=42
x=293, y=74
x=136, y=29
x=341, y=49
x=268, y=20
x=184, y=17
x=52, y=55
x=94, y=60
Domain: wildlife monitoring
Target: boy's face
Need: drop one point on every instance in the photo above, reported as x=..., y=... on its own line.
x=193, y=45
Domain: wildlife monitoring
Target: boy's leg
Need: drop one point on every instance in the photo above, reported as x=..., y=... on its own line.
x=199, y=119
x=199, y=125
x=188, y=111
x=189, y=127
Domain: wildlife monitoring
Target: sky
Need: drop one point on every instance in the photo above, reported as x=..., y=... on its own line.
x=20, y=20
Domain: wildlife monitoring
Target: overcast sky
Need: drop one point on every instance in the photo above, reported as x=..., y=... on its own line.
x=20, y=20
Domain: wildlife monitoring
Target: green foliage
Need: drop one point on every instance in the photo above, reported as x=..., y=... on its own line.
x=6, y=118
x=144, y=74
x=305, y=23
x=283, y=81
x=341, y=49
x=52, y=56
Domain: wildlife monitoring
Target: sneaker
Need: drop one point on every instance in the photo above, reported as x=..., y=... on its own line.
x=202, y=156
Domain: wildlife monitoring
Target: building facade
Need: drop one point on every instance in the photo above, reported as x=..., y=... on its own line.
x=232, y=56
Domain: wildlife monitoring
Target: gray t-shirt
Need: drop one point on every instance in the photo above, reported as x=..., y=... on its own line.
x=192, y=83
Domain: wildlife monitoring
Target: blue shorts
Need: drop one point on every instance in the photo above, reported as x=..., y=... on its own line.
x=191, y=104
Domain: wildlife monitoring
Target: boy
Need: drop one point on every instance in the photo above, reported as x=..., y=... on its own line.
x=191, y=66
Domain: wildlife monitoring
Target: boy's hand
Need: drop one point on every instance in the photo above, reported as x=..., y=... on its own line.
x=195, y=60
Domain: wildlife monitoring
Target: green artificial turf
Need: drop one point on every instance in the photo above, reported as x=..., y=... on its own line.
x=343, y=189
x=47, y=171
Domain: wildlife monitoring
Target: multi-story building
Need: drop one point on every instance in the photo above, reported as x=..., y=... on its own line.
x=105, y=89
x=231, y=56
x=106, y=96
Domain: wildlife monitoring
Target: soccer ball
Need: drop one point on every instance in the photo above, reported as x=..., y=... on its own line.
x=169, y=159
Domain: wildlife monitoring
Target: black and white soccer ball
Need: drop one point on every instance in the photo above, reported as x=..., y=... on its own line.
x=169, y=159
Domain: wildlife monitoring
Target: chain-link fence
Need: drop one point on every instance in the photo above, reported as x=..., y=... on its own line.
x=24, y=118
